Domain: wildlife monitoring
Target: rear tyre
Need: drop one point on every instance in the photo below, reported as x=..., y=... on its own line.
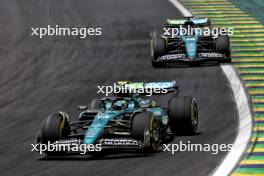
x=222, y=45
x=54, y=128
x=183, y=115
x=146, y=128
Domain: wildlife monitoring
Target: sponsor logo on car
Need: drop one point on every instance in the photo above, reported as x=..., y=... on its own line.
x=210, y=55
x=118, y=142
x=172, y=56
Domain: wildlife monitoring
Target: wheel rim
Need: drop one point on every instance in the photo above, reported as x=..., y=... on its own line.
x=155, y=131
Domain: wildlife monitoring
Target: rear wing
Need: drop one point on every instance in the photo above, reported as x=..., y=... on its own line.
x=156, y=87
x=174, y=22
x=192, y=21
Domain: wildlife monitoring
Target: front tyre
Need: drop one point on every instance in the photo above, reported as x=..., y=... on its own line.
x=146, y=128
x=95, y=104
x=158, y=48
x=183, y=115
x=55, y=127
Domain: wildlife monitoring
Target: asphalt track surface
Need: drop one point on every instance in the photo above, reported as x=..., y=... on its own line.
x=41, y=76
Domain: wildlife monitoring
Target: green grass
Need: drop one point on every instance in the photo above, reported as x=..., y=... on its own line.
x=252, y=7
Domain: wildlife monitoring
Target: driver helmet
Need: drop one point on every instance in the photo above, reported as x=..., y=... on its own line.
x=119, y=105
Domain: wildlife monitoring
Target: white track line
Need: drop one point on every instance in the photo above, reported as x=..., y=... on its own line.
x=245, y=124
x=245, y=119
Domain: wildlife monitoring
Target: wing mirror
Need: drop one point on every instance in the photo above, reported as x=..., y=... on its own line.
x=82, y=107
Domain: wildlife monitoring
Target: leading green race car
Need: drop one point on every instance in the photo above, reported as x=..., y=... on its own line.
x=183, y=42
x=127, y=120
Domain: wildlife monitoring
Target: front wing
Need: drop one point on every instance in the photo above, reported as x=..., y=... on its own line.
x=182, y=58
x=74, y=145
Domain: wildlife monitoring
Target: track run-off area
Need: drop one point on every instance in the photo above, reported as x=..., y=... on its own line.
x=248, y=59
